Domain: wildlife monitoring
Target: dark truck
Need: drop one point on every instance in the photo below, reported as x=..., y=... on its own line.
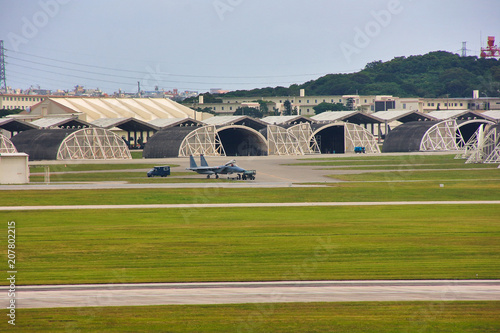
x=162, y=171
x=249, y=174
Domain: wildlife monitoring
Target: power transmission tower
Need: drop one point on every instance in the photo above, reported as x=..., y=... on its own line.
x=3, y=83
x=464, y=49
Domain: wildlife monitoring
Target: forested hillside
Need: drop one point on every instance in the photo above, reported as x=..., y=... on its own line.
x=435, y=74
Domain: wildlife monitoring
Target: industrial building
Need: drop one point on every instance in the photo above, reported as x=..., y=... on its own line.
x=92, y=109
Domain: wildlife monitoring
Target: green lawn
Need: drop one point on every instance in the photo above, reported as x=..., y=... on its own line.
x=341, y=192
x=413, y=159
x=91, y=167
x=489, y=175
x=243, y=244
x=124, y=176
x=381, y=317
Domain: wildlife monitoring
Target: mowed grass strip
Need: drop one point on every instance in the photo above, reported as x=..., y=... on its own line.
x=257, y=244
x=335, y=192
x=402, y=175
x=383, y=159
x=382, y=317
x=123, y=176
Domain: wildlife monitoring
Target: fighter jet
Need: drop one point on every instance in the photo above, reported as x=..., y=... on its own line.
x=228, y=168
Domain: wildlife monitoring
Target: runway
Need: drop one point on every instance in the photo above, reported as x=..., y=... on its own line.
x=251, y=292
x=251, y=204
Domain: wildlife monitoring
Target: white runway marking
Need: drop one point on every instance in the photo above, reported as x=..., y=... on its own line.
x=252, y=292
x=245, y=205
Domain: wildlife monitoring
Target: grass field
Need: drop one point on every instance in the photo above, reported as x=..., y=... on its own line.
x=381, y=317
x=257, y=244
x=243, y=244
x=341, y=192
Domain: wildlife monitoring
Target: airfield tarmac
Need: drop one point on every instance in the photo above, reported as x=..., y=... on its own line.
x=272, y=171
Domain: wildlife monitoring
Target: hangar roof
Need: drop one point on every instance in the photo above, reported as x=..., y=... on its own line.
x=172, y=122
x=355, y=117
x=15, y=125
x=278, y=120
x=406, y=137
x=41, y=144
x=166, y=143
x=457, y=114
x=61, y=122
x=492, y=114
x=254, y=123
x=126, y=124
x=145, y=109
x=332, y=115
x=403, y=116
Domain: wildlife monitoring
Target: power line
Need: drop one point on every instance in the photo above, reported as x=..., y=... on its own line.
x=178, y=75
x=146, y=76
x=3, y=79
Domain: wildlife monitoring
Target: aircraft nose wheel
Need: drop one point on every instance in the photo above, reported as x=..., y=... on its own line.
x=216, y=176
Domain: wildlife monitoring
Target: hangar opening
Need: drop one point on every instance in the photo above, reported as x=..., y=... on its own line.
x=331, y=140
x=468, y=128
x=242, y=141
x=342, y=138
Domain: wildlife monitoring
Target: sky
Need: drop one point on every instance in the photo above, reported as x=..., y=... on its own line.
x=197, y=45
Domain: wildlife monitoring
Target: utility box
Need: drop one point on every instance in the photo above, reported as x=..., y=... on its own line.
x=14, y=168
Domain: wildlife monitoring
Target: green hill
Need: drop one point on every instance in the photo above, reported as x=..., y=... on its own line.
x=435, y=74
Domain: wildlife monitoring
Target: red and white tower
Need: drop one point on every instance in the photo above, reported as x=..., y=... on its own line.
x=490, y=51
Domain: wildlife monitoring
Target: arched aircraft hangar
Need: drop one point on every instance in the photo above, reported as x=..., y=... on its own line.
x=343, y=137
x=431, y=135
x=229, y=140
x=71, y=144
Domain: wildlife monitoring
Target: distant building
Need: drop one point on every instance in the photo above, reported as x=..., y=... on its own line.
x=91, y=109
x=217, y=91
x=19, y=102
x=366, y=104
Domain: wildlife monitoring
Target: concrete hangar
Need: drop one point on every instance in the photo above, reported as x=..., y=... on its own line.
x=283, y=135
x=171, y=131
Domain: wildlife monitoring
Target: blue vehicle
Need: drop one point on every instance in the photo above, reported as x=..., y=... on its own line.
x=359, y=150
x=161, y=171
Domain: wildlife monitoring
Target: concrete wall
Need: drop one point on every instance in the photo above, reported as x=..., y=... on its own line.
x=14, y=168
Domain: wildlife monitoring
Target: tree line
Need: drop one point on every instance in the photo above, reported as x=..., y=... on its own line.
x=433, y=75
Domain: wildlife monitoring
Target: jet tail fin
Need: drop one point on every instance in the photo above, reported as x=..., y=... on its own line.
x=203, y=161
x=192, y=162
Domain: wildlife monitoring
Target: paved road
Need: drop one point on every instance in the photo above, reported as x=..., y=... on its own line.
x=254, y=204
x=251, y=292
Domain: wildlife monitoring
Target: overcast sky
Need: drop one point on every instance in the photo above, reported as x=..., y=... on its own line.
x=228, y=44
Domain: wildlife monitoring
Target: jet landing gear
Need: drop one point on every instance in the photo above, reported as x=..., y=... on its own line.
x=216, y=176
